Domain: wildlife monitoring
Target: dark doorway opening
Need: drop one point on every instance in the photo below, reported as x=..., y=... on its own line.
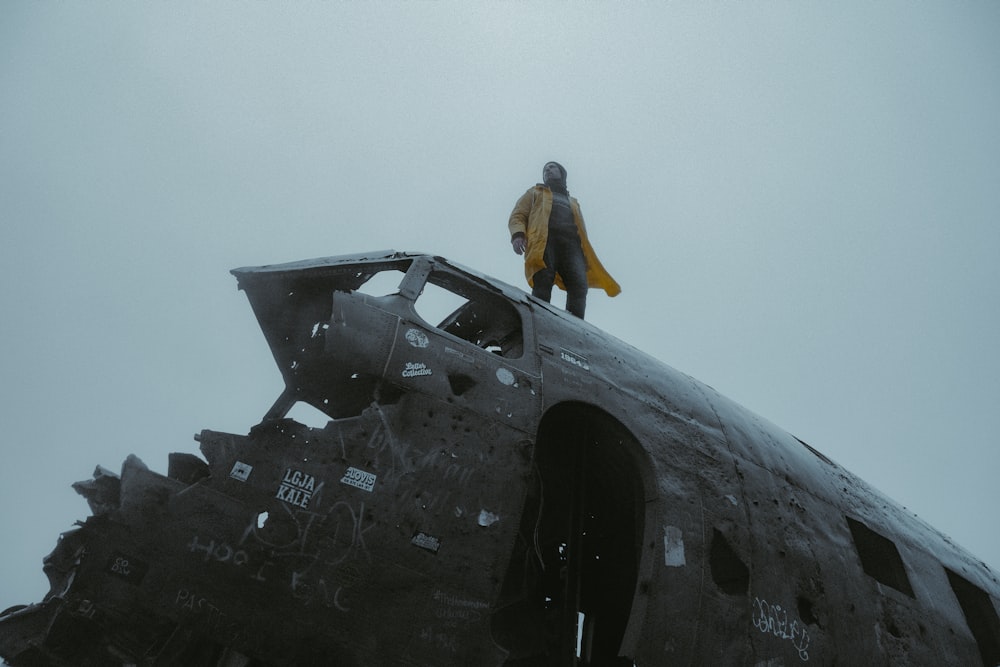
x=569, y=590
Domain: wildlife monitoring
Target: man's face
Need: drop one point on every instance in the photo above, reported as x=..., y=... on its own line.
x=551, y=172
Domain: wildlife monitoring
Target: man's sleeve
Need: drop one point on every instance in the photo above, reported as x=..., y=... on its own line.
x=518, y=223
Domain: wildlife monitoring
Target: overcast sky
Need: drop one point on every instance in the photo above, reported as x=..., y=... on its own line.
x=799, y=199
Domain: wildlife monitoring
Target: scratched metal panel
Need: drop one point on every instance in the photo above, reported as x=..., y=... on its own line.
x=669, y=633
x=584, y=363
x=674, y=630
x=298, y=538
x=811, y=597
x=423, y=509
x=383, y=538
x=800, y=595
x=427, y=361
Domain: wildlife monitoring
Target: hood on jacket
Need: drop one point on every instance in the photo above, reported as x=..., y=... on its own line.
x=556, y=185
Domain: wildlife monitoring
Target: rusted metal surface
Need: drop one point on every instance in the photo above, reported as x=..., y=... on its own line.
x=500, y=485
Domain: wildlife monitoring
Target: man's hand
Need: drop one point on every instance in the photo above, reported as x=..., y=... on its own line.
x=519, y=244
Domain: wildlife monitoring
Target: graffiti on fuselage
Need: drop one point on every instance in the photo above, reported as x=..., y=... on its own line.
x=772, y=619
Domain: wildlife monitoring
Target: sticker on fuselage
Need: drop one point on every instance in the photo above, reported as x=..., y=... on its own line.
x=417, y=338
x=505, y=376
x=573, y=358
x=426, y=542
x=416, y=369
x=458, y=353
x=241, y=471
x=297, y=488
x=359, y=479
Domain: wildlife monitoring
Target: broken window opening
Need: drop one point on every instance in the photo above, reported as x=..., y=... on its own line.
x=436, y=303
x=880, y=558
x=728, y=571
x=464, y=310
x=383, y=283
x=981, y=616
x=308, y=415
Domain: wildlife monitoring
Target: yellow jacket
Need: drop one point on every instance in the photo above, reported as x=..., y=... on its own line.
x=531, y=218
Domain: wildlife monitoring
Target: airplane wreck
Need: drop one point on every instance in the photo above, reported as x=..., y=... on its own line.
x=497, y=484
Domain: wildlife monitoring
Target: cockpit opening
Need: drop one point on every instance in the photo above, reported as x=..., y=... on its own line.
x=334, y=329
x=382, y=283
x=462, y=309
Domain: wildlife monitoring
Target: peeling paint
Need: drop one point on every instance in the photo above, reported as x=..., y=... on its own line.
x=426, y=542
x=673, y=547
x=317, y=327
x=487, y=518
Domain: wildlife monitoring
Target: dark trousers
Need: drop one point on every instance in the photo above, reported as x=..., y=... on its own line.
x=563, y=255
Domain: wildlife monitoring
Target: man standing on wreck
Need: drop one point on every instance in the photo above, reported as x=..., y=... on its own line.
x=546, y=226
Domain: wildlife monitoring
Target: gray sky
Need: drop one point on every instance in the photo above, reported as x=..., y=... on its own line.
x=799, y=199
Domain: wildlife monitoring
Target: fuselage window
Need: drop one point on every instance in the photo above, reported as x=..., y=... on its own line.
x=980, y=615
x=879, y=557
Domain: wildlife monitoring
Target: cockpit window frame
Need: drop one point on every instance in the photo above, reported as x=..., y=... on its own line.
x=510, y=346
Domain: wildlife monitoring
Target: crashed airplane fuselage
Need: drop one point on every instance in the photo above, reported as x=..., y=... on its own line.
x=497, y=483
